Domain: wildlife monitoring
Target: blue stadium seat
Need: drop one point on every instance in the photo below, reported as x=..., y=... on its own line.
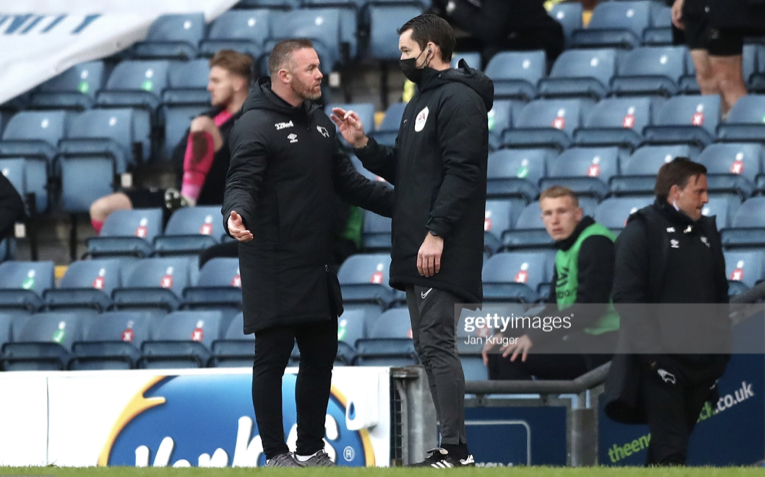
x=615, y=24
x=34, y=136
x=351, y=326
x=387, y=132
x=746, y=266
x=15, y=171
x=376, y=234
x=86, y=284
x=182, y=339
x=569, y=15
x=613, y=213
x=22, y=284
x=516, y=73
x=218, y=286
x=320, y=25
x=473, y=60
x=384, y=21
x=99, y=145
x=547, y=123
x=269, y=4
x=173, y=36
x=529, y=231
x=177, y=122
x=112, y=340
x=187, y=84
x=516, y=173
x=127, y=232
x=348, y=10
x=135, y=84
x=660, y=33
x=745, y=121
x=748, y=227
x=639, y=171
x=245, y=31
x=514, y=276
x=580, y=73
x=732, y=167
x=190, y=230
x=756, y=79
x=75, y=88
x=154, y=283
x=364, y=278
x=43, y=343
x=617, y=122
x=366, y=112
x=234, y=349
x=501, y=119
x=650, y=71
x=7, y=330
x=500, y=215
x=686, y=120
x=584, y=170
x=723, y=207
x=389, y=343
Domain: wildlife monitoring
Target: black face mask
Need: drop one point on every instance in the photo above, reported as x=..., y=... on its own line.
x=409, y=67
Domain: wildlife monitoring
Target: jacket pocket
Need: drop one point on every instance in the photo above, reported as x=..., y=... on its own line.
x=335, y=294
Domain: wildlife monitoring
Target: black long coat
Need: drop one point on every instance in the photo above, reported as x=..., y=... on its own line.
x=284, y=174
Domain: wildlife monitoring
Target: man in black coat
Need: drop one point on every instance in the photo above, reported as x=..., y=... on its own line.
x=285, y=172
x=438, y=167
x=669, y=357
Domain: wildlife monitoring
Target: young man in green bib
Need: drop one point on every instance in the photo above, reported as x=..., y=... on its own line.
x=581, y=288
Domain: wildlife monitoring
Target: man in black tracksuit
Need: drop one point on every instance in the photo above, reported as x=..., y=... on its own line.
x=285, y=172
x=438, y=167
x=669, y=254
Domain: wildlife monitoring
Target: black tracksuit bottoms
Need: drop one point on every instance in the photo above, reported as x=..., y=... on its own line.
x=317, y=342
x=673, y=405
x=434, y=316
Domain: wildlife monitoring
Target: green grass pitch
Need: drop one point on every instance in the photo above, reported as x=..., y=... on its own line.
x=352, y=472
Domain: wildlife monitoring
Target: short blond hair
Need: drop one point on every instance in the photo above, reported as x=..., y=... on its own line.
x=557, y=191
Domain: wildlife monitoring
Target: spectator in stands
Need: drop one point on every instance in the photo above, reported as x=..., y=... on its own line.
x=11, y=207
x=439, y=170
x=717, y=53
x=668, y=253
x=285, y=172
x=500, y=25
x=581, y=285
x=201, y=158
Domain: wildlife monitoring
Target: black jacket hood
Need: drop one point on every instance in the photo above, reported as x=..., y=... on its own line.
x=262, y=97
x=474, y=79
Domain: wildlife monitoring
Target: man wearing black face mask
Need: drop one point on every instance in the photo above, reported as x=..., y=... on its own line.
x=438, y=167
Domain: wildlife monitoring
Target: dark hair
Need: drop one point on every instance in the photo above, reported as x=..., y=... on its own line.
x=428, y=27
x=557, y=191
x=677, y=172
x=234, y=62
x=283, y=51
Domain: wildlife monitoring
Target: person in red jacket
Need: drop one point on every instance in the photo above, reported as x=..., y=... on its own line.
x=201, y=158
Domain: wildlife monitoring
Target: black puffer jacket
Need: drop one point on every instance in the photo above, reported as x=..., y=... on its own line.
x=438, y=167
x=285, y=172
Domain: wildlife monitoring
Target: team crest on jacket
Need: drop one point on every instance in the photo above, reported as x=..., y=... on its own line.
x=422, y=117
x=323, y=131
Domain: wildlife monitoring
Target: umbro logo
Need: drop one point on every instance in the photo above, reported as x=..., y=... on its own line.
x=293, y=138
x=280, y=126
x=674, y=243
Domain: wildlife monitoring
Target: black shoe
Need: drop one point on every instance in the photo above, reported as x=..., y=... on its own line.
x=440, y=459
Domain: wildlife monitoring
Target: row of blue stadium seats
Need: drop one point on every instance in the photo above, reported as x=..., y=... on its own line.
x=183, y=339
x=596, y=73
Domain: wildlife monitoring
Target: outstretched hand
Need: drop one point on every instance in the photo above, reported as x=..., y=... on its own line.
x=350, y=126
x=236, y=228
